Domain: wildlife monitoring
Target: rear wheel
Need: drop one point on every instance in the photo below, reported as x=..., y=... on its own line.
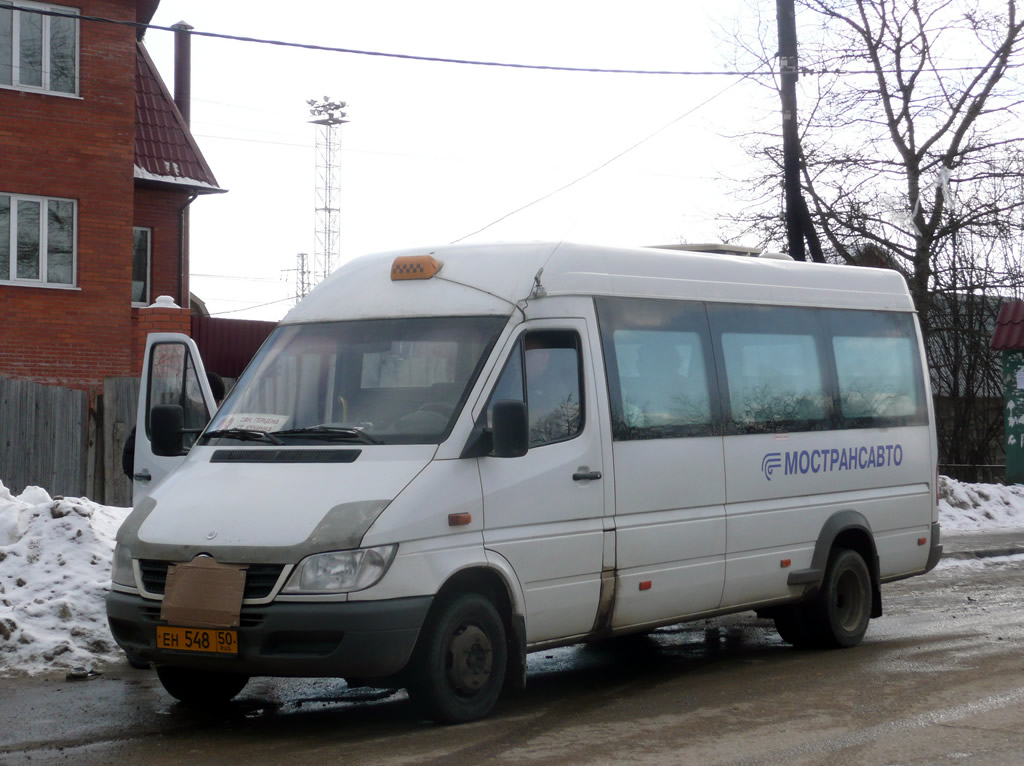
x=460, y=661
x=842, y=608
x=200, y=688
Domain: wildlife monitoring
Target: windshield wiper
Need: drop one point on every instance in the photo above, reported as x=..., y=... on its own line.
x=332, y=432
x=243, y=434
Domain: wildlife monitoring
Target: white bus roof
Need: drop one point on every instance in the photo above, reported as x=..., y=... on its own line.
x=493, y=278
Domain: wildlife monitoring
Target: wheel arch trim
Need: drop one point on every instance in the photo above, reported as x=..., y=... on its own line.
x=496, y=572
x=852, y=530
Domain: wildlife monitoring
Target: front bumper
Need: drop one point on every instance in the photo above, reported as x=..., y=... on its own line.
x=354, y=639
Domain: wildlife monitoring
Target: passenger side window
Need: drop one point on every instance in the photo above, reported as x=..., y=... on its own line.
x=657, y=359
x=546, y=365
x=773, y=370
x=878, y=369
x=662, y=378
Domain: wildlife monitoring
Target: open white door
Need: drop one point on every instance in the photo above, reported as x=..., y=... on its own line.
x=172, y=373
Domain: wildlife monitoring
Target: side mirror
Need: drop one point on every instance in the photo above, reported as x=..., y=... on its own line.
x=510, y=428
x=166, y=425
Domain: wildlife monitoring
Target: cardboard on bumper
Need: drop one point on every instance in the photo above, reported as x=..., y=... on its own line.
x=203, y=594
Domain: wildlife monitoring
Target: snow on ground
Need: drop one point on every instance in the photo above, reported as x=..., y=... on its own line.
x=980, y=507
x=55, y=569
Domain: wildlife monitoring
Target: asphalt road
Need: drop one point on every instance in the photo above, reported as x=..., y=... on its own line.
x=938, y=680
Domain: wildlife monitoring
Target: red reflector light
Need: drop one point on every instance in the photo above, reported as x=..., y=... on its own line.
x=645, y=585
x=785, y=563
x=459, y=519
x=922, y=540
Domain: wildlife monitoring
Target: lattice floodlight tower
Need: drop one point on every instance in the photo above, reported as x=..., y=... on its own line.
x=327, y=115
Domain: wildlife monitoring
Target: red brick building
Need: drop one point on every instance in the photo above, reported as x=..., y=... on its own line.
x=97, y=171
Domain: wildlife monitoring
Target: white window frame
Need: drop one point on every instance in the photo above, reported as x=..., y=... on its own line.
x=8, y=271
x=15, y=62
x=149, y=264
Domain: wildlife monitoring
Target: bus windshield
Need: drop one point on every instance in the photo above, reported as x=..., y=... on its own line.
x=373, y=381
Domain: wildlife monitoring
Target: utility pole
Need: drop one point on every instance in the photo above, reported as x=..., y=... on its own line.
x=799, y=226
x=302, y=285
x=786, y=18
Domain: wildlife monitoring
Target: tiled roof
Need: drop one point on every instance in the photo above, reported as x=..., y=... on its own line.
x=1009, y=334
x=144, y=12
x=165, y=151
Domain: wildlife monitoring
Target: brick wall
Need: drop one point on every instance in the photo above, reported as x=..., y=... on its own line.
x=160, y=210
x=83, y=149
x=154, y=319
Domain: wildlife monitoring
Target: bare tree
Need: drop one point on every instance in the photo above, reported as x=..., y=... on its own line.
x=966, y=373
x=909, y=131
x=912, y=158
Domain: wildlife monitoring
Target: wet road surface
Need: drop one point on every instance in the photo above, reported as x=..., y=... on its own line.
x=938, y=680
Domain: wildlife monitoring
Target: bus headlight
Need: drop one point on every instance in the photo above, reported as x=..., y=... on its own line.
x=122, y=572
x=341, y=571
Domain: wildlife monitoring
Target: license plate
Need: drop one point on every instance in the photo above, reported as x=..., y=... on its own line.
x=197, y=639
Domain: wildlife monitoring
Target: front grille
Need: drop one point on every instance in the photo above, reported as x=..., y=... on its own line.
x=249, y=618
x=260, y=579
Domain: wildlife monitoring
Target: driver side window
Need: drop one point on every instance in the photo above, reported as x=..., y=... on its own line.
x=546, y=366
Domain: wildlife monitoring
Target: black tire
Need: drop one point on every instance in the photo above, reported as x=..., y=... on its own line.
x=200, y=688
x=842, y=607
x=460, y=660
x=793, y=625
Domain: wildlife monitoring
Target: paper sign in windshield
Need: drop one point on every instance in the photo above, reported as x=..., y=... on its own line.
x=254, y=421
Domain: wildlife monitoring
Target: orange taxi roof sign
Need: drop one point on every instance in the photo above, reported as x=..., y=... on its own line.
x=414, y=267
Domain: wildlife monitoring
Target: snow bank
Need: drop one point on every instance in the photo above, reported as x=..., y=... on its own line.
x=979, y=507
x=54, y=572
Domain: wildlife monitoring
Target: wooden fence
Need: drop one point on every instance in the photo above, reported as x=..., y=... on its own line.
x=42, y=434
x=55, y=438
x=120, y=401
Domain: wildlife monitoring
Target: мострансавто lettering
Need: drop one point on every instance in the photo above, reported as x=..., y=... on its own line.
x=830, y=460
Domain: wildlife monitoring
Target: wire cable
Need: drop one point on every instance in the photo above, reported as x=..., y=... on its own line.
x=358, y=52
x=250, y=308
x=603, y=165
x=446, y=60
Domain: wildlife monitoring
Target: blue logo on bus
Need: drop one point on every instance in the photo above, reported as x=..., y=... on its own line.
x=832, y=460
x=771, y=461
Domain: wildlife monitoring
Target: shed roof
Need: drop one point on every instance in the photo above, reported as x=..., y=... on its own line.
x=165, y=151
x=1009, y=334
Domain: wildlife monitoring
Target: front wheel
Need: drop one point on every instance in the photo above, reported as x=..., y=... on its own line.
x=794, y=627
x=843, y=606
x=200, y=688
x=460, y=661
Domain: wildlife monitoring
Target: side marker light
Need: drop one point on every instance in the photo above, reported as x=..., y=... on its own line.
x=645, y=585
x=459, y=519
x=785, y=563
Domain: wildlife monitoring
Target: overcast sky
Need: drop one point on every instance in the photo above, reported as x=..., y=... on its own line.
x=435, y=151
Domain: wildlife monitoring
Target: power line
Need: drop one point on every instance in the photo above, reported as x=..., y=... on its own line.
x=251, y=140
x=234, y=276
x=446, y=60
x=249, y=308
x=603, y=165
x=357, y=52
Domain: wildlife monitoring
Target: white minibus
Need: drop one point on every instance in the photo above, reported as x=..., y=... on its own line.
x=444, y=459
